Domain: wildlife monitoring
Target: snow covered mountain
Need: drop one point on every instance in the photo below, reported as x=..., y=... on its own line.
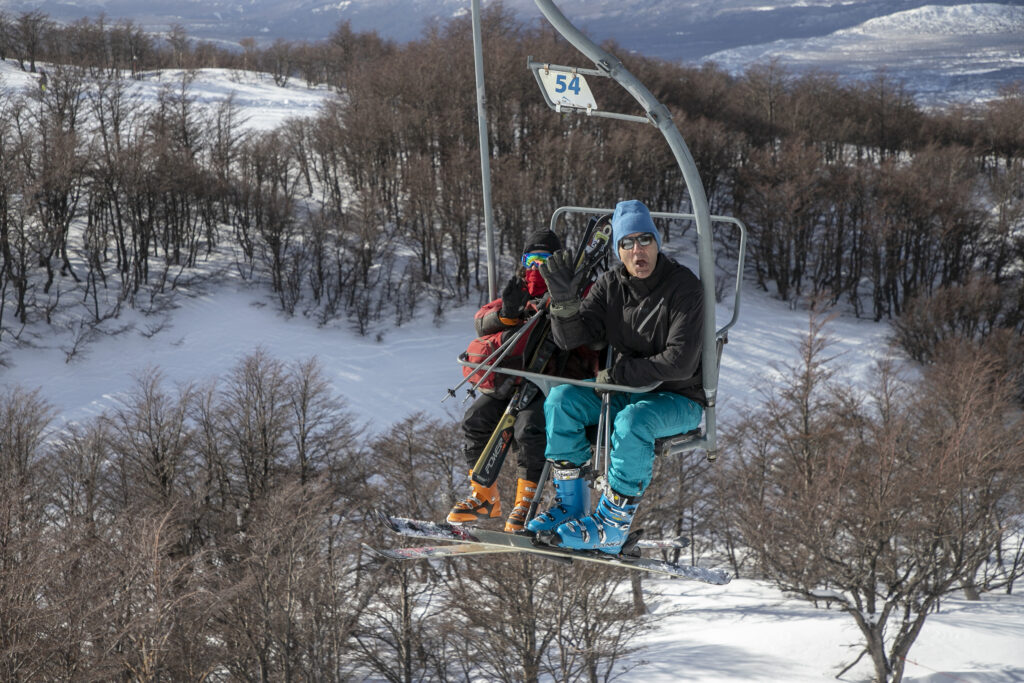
x=957, y=53
x=946, y=49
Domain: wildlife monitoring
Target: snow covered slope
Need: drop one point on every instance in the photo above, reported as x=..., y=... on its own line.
x=948, y=50
x=959, y=53
x=748, y=631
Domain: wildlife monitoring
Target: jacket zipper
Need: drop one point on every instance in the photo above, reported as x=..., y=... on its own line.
x=653, y=311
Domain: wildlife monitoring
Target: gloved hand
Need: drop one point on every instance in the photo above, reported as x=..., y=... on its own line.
x=563, y=283
x=604, y=377
x=513, y=298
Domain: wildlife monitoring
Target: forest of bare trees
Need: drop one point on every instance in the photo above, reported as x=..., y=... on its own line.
x=371, y=211
x=213, y=532
x=886, y=502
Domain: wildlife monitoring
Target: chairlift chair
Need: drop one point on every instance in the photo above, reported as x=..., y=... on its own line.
x=566, y=90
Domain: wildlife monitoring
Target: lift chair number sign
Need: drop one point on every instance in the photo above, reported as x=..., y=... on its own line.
x=567, y=89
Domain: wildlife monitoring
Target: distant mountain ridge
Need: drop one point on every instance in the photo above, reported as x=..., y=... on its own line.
x=673, y=29
x=946, y=54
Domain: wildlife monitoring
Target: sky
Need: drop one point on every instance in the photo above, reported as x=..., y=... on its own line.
x=745, y=631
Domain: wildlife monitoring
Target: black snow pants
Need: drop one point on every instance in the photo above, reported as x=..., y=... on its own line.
x=528, y=432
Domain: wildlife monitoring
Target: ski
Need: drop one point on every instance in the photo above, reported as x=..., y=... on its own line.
x=679, y=571
x=444, y=531
x=481, y=539
x=435, y=551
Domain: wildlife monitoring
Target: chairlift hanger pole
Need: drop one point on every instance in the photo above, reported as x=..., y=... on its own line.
x=485, y=153
x=660, y=117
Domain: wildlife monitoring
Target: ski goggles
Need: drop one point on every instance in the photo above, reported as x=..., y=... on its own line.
x=535, y=258
x=644, y=240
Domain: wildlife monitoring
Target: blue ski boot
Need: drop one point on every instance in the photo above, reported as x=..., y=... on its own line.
x=571, y=498
x=606, y=529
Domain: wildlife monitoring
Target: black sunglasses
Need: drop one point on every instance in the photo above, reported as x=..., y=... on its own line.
x=643, y=240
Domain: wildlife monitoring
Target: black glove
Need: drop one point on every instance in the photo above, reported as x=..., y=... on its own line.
x=604, y=377
x=514, y=298
x=563, y=283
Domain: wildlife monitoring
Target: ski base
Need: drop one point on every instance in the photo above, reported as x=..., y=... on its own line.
x=432, y=552
x=445, y=531
x=485, y=541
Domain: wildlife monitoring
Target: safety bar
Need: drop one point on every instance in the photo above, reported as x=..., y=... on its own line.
x=546, y=382
x=670, y=445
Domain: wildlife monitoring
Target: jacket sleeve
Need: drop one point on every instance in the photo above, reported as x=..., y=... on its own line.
x=588, y=325
x=681, y=356
x=488, y=319
x=489, y=323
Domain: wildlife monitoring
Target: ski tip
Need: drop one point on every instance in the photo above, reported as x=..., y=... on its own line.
x=385, y=519
x=376, y=556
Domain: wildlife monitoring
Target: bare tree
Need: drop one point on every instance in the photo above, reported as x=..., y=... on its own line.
x=178, y=39
x=402, y=635
x=508, y=607
x=290, y=608
x=31, y=30
x=150, y=443
x=279, y=61
x=25, y=556
x=537, y=617
x=6, y=35
x=880, y=507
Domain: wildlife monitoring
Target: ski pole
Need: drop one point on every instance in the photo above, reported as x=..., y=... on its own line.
x=592, y=260
x=505, y=345
x=499, y=353
x=585, y=262
x=471, y=392
x=491, y=362
x=604, y=431
x=606, y=415
x=535, y=503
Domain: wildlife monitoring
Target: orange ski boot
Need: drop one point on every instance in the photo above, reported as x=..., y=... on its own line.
x=482, y=503
x=525, y=491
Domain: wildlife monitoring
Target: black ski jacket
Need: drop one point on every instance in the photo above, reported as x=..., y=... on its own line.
x=655, y=327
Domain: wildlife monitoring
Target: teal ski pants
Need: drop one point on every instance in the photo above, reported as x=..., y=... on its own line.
x=638, y=419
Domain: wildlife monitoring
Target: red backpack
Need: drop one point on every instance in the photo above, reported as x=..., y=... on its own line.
x=481, y=348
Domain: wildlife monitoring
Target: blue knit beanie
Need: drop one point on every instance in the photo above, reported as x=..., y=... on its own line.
x=630, y=217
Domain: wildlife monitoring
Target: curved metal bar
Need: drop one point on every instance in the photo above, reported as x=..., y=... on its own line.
x=485, y=152
x=738, y=289
x=671, y=445
x=660, y=116
x=547, y=382
x=739, y=272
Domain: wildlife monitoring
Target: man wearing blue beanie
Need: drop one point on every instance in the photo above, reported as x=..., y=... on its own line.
x=632, y=217
x=650, y=309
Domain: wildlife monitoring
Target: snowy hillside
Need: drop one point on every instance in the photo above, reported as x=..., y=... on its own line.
x=949, y=50
x=962, y=53
x=933, y=21
x=210, y=330
x=742, y=632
